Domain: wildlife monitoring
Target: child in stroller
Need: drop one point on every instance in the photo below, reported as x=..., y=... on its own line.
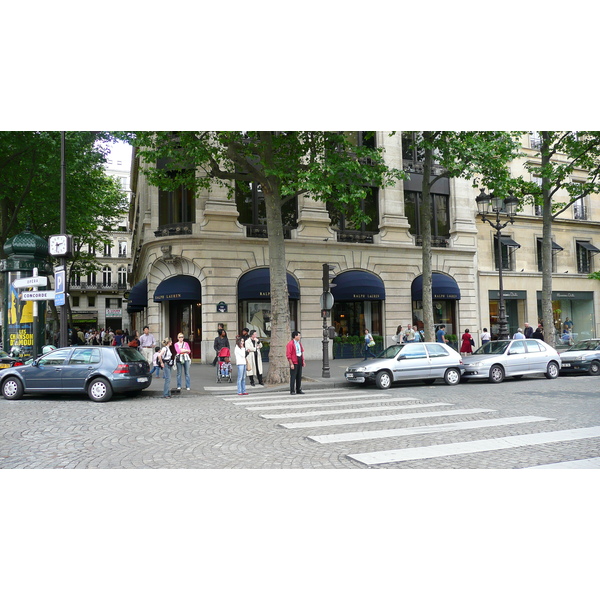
x=224, y=365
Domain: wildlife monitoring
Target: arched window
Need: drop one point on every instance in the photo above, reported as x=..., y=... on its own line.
x=122, y=277
x=106, y=276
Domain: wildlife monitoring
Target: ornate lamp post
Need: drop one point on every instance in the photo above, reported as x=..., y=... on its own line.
x=488, y=204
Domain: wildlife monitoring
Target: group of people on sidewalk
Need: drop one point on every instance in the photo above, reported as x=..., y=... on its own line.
x=247, y=356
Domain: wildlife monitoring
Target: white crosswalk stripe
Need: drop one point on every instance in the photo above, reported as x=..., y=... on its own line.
x=584, y=463
x=308, y=395
x=444, y=450
x=376, y=398
x=354, y=436
x=264, y=406
x=384, y=418
x=316, y=413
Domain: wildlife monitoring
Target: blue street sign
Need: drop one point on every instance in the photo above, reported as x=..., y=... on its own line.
x=59, y=299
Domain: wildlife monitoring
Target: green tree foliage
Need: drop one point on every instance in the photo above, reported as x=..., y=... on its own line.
x=328, y=166
x=30, y=188
x=481, y=156
x=568, y=165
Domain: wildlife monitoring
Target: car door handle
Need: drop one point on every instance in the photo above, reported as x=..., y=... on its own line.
x=58, y=369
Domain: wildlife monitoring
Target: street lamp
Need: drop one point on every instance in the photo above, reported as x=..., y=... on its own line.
x=489, y=204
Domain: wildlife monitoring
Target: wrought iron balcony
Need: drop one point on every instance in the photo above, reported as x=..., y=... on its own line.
x=98, y=287
x=437, y=241
x=355, y=237
x=260, y=231
x=174, y=229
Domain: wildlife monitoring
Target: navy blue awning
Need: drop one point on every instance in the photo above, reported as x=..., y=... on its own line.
x=357, y=285
x=180, y=287
x=443, y=287
x=138, y=297
x=256, y=284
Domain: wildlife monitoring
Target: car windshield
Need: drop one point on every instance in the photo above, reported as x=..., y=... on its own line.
x=391, y=351
x=129, y=354
x=498, y=347
x=586, y=345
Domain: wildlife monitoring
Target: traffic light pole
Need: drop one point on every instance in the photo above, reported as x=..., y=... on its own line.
x=326, y=306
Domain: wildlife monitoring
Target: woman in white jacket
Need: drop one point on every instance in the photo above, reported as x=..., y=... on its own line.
x=253, y=346
x=240, y=361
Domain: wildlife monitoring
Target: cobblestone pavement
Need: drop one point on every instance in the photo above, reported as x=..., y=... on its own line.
x=210, y=427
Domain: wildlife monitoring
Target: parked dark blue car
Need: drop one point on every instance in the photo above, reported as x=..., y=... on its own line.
x=583, y=357
x=98, y=371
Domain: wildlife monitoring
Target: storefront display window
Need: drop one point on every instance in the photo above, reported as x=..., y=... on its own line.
x=256, y=314
x=573, y=314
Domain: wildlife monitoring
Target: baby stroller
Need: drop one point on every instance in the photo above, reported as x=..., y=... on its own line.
x=224, y=365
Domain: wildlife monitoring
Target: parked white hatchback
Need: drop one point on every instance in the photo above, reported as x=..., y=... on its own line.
x=512, y=358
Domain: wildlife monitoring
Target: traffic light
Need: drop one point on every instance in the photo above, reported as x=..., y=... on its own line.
x=327, y=277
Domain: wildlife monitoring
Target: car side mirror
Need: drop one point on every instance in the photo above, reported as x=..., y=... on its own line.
x=36, y=363
x=401, y=357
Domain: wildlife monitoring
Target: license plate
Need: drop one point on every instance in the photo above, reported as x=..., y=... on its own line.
x=142, y=379
x=4, y=366
x=566, y=364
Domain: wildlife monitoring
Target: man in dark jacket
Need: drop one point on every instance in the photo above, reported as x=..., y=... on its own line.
x=528, y=331
x=221, y=341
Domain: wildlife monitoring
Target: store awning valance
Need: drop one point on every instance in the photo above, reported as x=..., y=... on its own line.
x=180, y=287
x=443, y=287
x=357, y=285
x=138, y=297
x=256, y=284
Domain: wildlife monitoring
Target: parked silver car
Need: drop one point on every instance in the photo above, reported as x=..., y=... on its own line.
x=583, y=356
x=512, y=358
x=402, y=362
x=98, y=371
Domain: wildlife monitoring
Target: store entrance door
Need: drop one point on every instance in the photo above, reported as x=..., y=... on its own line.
x=186, y=317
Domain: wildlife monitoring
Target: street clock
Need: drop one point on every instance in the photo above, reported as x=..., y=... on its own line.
x=60, y=245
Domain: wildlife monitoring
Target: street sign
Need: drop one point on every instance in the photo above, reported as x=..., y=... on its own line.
x=59, y=299
x=44, y=295
x=30, y=282
x=59, y=282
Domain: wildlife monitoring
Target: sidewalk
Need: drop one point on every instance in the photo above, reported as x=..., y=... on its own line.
x=205, y=376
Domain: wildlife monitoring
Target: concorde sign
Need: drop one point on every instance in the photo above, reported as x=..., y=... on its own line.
x=44, y=295
x=30, y=282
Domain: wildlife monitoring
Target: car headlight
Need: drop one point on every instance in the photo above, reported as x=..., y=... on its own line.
x=360, y=370
x=476, y=365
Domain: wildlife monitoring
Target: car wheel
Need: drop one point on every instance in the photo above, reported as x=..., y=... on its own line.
x=99, y=390
x=383, y=380
x=595, y=367
x=496, y=374
x=12, y=388
x=452, y=376
x=552, y=370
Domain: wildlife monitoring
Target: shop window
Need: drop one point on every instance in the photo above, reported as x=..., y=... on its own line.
x=256, y=314
x=440, y=216
x=250, y=203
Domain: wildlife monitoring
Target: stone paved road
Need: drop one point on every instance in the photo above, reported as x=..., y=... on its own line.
x=211, y=430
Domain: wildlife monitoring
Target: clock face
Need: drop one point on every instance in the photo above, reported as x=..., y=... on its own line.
x=58, y=245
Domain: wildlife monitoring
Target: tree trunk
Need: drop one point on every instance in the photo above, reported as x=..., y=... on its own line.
x=280, y=312
x=425, y=217
x=547, y=312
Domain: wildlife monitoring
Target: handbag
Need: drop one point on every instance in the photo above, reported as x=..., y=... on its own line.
x=472, y=342
x=371, y=343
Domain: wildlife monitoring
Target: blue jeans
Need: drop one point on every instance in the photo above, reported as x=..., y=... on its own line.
x=183, y=366
x=241, y=379
x=157, y=369
x=368, y=351
x=167, y=386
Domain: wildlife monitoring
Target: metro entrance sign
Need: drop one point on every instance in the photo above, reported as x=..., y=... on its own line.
x=30, y=282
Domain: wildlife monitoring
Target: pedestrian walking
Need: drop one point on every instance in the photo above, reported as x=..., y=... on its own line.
x=253, y=346
x=440, y=334
x=183, y=357
x=369, y=343
x=485, y=337
x=294, y=352
x=156, y=363
x=240, y=361
x=467, y=343
x=147, y=344
x=166, y=362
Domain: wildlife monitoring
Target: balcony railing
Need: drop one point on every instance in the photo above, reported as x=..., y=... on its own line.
x=437, y=241
x=580, y=212
x=98, y=287
x=260, y=231
x=174, y=229
x=355, y=237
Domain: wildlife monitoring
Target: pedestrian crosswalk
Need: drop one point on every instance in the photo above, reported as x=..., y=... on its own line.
x=371, y=411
